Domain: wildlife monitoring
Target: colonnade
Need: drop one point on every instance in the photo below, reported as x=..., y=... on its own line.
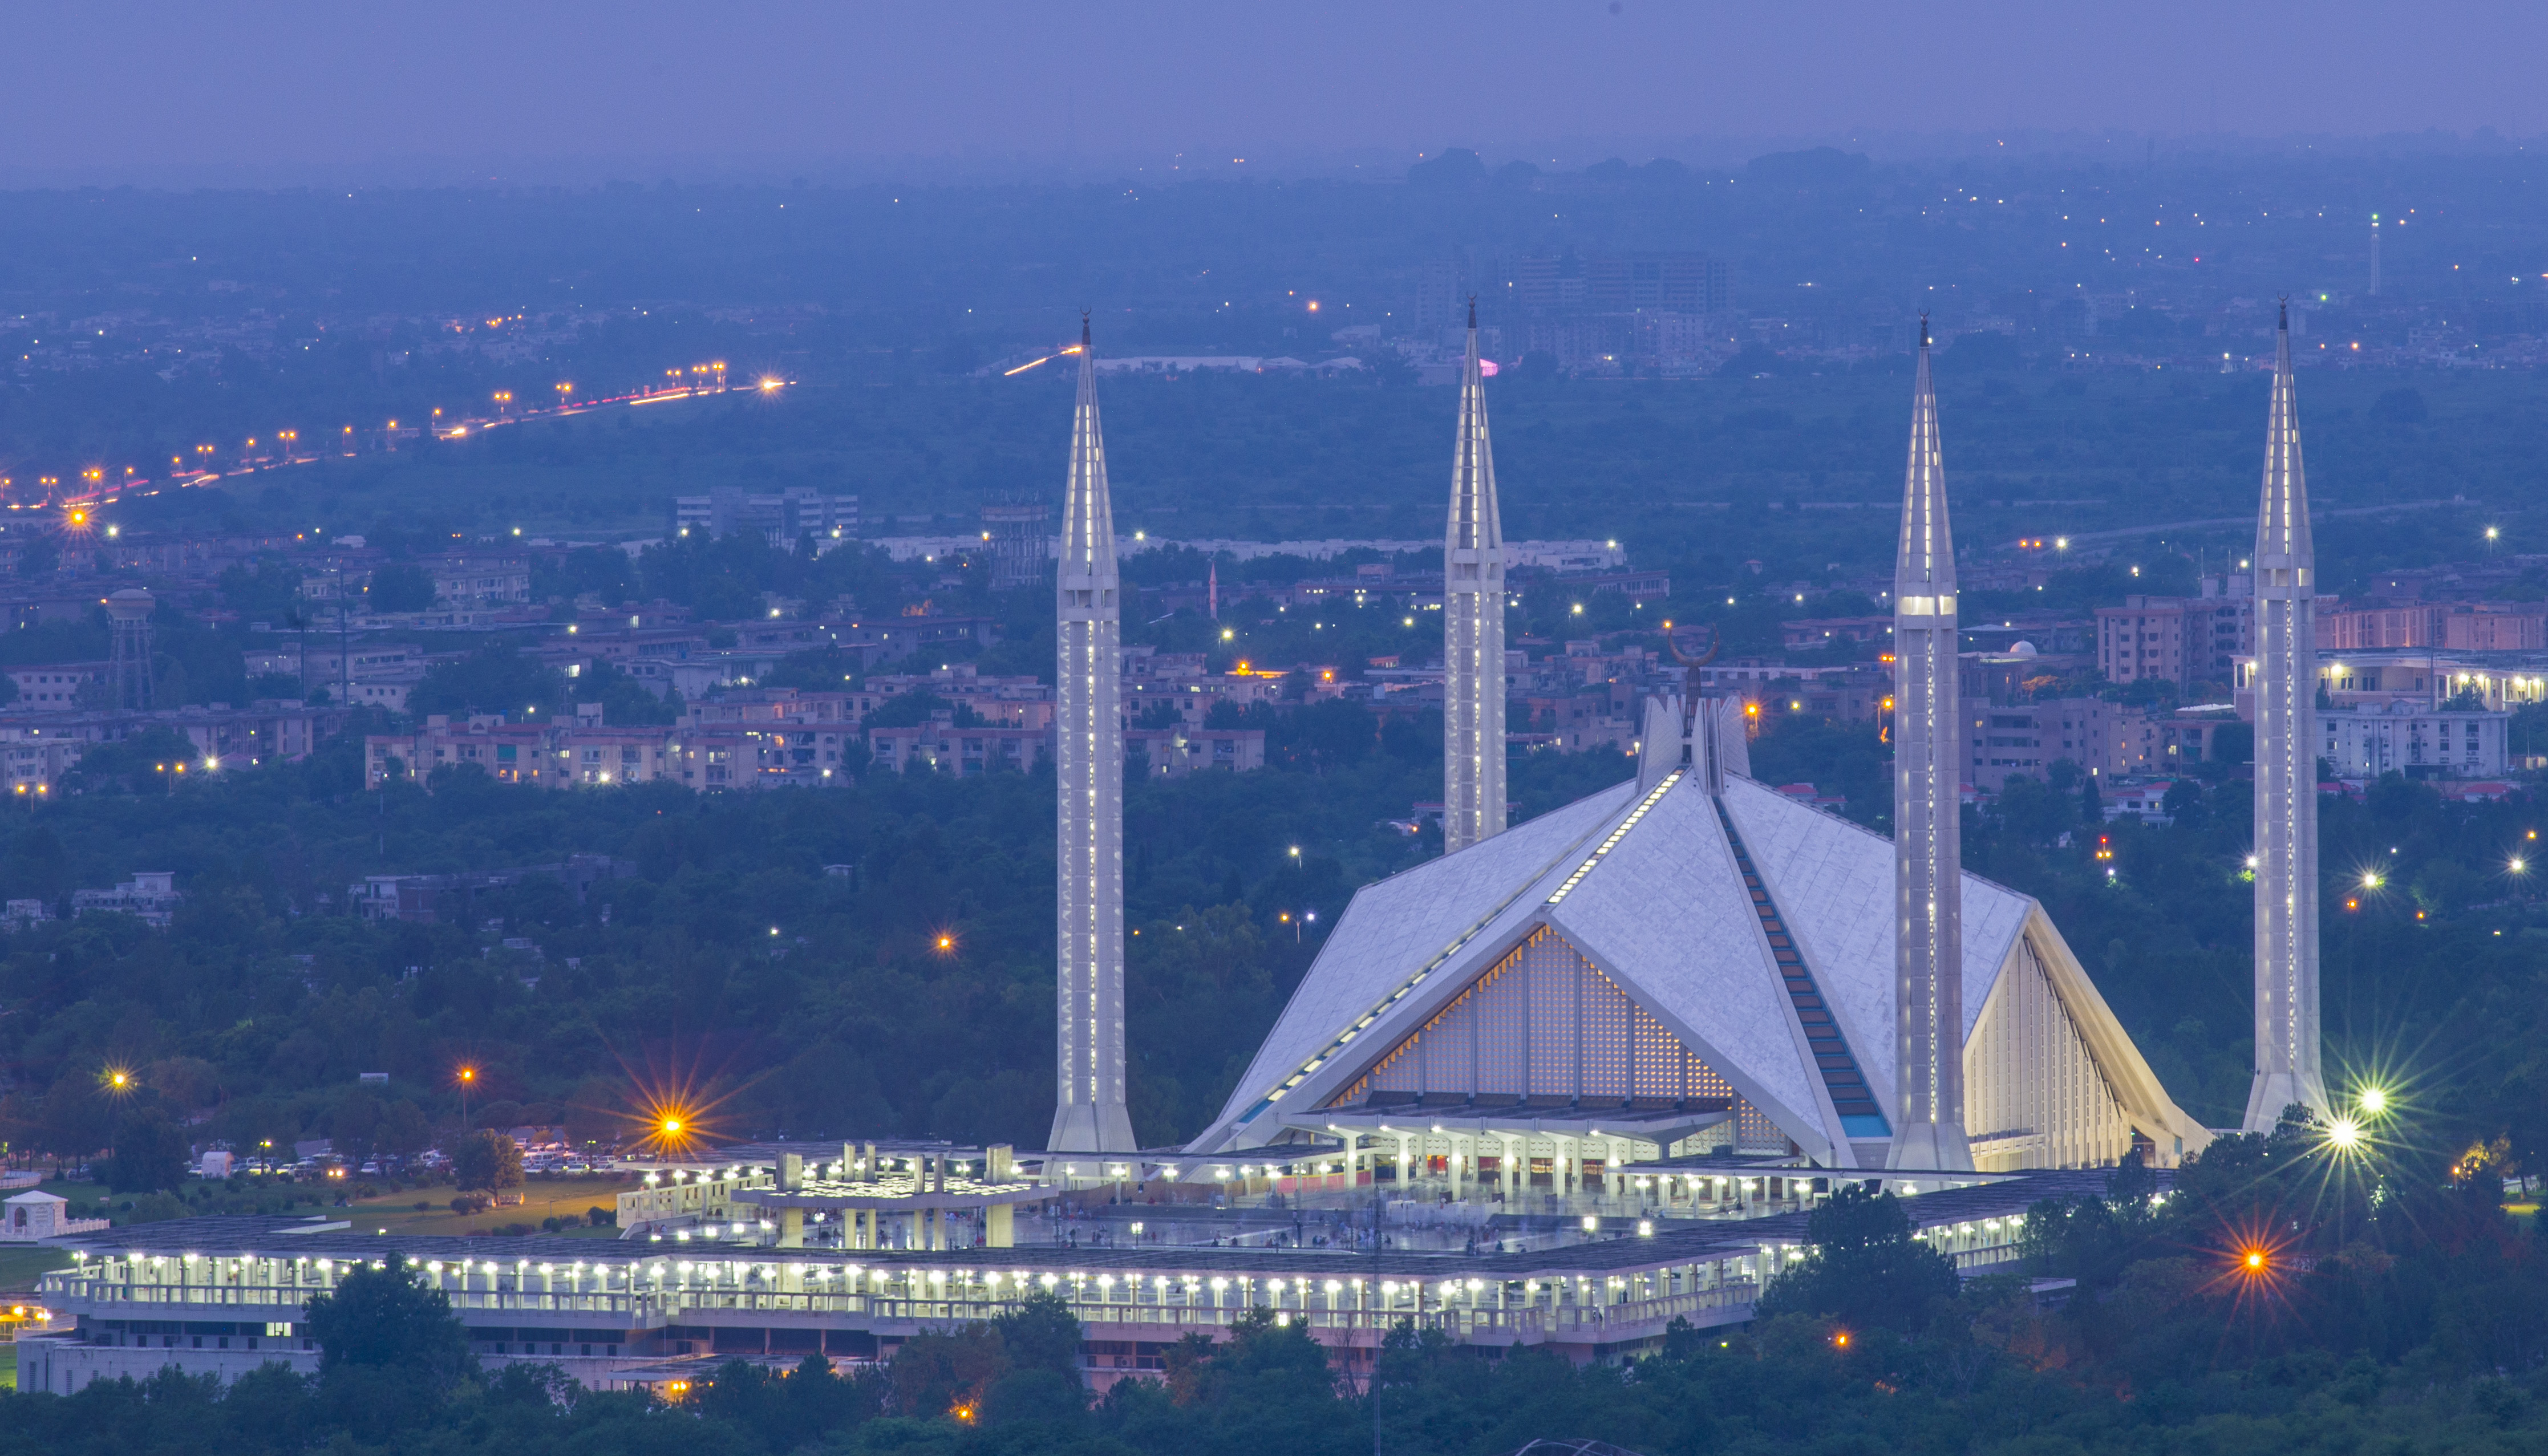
x=1589, y=1166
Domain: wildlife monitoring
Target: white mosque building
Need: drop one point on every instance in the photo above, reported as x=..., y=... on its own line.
x=1691, y=966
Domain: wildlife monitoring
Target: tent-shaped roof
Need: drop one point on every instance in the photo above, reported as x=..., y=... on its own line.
x=1647, y=885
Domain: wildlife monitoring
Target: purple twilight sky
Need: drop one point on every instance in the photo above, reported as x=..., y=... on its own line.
x=166, y=90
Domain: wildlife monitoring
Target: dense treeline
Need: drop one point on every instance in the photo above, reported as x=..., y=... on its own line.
x=873, y=959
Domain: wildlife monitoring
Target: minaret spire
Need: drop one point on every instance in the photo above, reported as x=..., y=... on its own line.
x=2286, y=682
x=1473, y=627
x=1089, y=1114
x=1928, y=858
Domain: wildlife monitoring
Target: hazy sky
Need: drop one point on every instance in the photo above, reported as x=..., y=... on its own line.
x=104, y=90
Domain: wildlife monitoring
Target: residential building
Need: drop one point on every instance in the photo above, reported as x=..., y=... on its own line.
x=426, y=898
x=2145, y=800
x=2013, y=739
x=37, y=748
x=2182, y=640
x=1172, y=753
x=55, y=688
x=939, y=746
x=512, y=753
x=2367, y=741
x=151, y=894
x=785, y=517
x=2462, y=626
x=478, y=578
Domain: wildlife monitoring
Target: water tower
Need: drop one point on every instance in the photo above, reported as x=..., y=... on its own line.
x=129, y=668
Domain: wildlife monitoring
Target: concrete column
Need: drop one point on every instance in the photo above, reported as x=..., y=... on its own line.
x=791, y=1225
x=999, y=1225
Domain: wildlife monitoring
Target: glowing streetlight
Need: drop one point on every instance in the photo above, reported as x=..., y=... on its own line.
x=2344, y=1134
x=2374, y=1101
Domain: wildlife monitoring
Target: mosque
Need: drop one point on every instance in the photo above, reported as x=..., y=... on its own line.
x=1681, y=968
x=1575, y=1080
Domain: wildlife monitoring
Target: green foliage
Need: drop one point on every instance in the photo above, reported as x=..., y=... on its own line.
x=143, y=764
x=485, y=1162
x=1863, y=1267
x=150, y=1153
x=387, y=1318
x=400, y=586
x=852, y=1019
x=491, y=679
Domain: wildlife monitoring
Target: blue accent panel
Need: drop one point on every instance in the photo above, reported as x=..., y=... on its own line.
x=1862, y=1126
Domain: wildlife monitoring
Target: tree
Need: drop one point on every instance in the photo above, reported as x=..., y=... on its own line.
x=402, y=1132
x=1041, y=1334
x=389, y=1350
x=401, y=586
x=355, y=1125
x=487, y=1160
x=388, y=1318
x=493, y=680
x=150, y=1153
x=1864, y=1268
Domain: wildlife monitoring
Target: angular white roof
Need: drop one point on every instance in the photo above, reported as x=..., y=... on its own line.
x=1835, y=880
x=1395, y=928
x=1647, y=887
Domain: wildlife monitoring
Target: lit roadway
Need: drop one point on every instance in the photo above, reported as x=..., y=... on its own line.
x=106, y=495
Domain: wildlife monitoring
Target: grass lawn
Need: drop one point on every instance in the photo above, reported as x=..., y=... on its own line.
x=542, y=1197
x=81, y=1195
x=20, y=1266
x=8, y=1365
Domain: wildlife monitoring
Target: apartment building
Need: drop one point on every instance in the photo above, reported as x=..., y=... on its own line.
x=2006, y=740
x=55, y=688
x=2369, y=740
x=2452, y=626
x=2182, y=640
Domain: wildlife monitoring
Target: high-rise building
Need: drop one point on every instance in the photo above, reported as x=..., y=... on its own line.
x=1928, y=858
x=784, y=517
x=1019, y=545
x=2286, y=841
x=1089, y=1113
x=1473, y=627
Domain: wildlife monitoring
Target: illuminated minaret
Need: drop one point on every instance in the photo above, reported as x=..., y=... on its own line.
x=2375, y=260
x=2286, y=686
x=1088, y=1114
x=1928, y=858
x=1473, y=627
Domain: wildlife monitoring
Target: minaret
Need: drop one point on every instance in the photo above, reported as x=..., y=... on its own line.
x=1088, y=1114
x=2286, y=686
x=1927, y=779
x=1473, y=627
